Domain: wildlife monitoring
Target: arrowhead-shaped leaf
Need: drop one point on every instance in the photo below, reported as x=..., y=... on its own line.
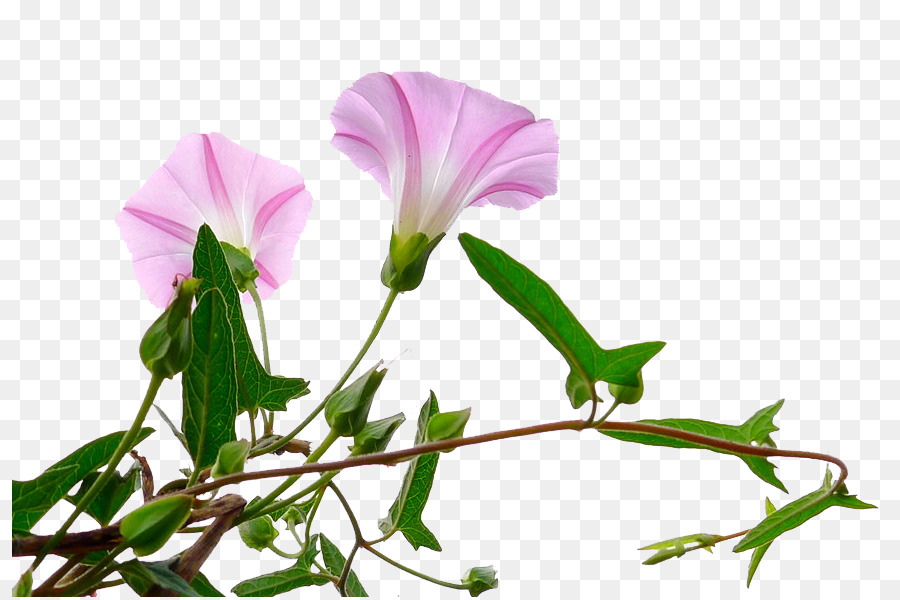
x=757, y=430
x=258, y=388
x=112, y=497
x=279, y=582
x=541, y=305
x=678, y=547
x=405, y=514
x=334, y=562
x=32, y=499
x=799, y=512
x=209, y=384
x=759, y=551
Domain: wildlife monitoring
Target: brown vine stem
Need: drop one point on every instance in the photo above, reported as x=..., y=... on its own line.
x=397, y=456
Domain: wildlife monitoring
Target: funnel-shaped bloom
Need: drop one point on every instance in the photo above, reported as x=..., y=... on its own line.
x=249, y=201
x=437, y=146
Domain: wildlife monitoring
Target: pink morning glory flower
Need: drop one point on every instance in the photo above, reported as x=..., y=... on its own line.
x=251, y=202
x=437, y=146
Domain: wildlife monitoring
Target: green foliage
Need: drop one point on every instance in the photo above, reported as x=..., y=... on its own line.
x=280, y=582
x=757, y=429
x=166, y=346
x=231, y=458
x=480, y=579
x=258, y=533
x=243, y=271
x=405, y=515
x=347, y=410
x=759, y=551
x=376, y=435
x=32, y=499
x=23, y=585
x=334, y=563
x=447, y=426
x=537, y=302
x=799, y=512
x=677, y=547
x=142, y=577
x=209, y=387
x=404, y=267
x=149, y=527
x=204, y=588
x=112, y=497
x=258, y=389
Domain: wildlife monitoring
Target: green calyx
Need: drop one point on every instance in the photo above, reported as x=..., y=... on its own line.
x=447, y=426
x=231, y=458
x=404, y=267
x=148, y=528
x=376, y=436
x=625, y=394
x=480, y=579
x=347, y=411
x=166, y=346
x=258, y=533
x=241, y=264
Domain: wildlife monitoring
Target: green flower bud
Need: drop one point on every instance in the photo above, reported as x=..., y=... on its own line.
x=258, y=533
x=626, y=394
x=231, y=458
x=480, y=579
x=376, y=436
x=243, y=270
x=346, y=412
x=23, y=586
x=166, y=347
x=404, y=267
x=148, y=528
x=292, y=517
x=447, y=426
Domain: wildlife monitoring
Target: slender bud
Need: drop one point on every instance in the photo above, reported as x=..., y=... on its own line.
x=376, y=436
x=625, y=394
x=243, y=270
x=23, y=586
x=346, y=412
x=231, y=458
x=480, y=580
x=404, y=267
x=166, y=347
x=447, y=426
x=148, y=528
x=258, y=533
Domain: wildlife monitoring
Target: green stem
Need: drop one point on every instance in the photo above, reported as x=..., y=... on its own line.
x=312, y=515
x=251, y=287
x=330, y=439
x=455, y=586
x=379, y=322
x=592, y=423
x=124, y=446
x=95, y=574
x=252, y=428
x=271, y=546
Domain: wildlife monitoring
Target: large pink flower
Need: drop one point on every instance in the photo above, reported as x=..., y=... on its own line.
x=437, y=146
x=249, y=201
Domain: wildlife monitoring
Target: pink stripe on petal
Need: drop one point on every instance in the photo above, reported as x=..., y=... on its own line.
x=412, y=181
x=265, y=276
x=176, y=230
x=220, y=194
x=271, y=206
x=509, y=186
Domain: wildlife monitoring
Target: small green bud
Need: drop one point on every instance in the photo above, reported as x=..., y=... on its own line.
x=625, y=394
x=166, y=347
x=292, y=517
x=346, y=412
x=258, y=533
x=23, y=586
x=404, y=267
x=480, y=579
x=376, y=436
x=231, y=458
x=447, y=426
x=148, y=528
x=241, y=264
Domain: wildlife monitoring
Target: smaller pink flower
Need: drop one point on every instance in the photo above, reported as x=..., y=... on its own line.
x=249, y=201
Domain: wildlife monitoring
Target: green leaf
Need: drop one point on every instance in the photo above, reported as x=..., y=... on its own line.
x=759, y=551
x=112, y=497
x=677, y=547
x=144, y=576
x=22, y=588
x=537, y=302
x=203, y=587
x=32, y=499
x=405, y=514
x=309, y=555
x=334, y=562
x=209, y=388
x=756, y=430
x=279, y=582
x=258, y=388
x=799, y=512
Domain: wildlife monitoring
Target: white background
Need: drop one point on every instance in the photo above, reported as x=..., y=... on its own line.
x=729, y=184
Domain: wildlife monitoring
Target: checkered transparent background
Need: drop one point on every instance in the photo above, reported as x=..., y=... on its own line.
x=729, y=184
